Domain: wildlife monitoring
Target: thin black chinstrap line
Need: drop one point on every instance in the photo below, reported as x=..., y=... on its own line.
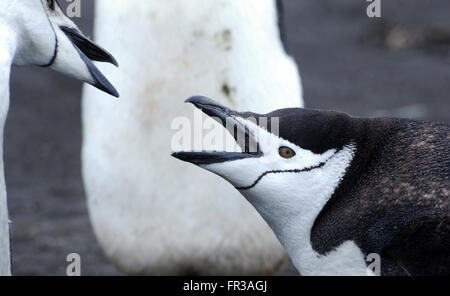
x=55, y=51
x=280, y=171
x=285, y=171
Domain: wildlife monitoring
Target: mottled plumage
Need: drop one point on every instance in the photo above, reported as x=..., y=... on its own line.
x=394, y=199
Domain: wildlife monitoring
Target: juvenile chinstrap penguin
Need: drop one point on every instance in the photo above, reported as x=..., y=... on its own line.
x=336, y=188
x=37, y=32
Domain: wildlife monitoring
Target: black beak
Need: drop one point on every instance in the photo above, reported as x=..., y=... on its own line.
x=227, y=118
x=211, y=108
x=89, y=48
x=89, y=52
x=205, y=158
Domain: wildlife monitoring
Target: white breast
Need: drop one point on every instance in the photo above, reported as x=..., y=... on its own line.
x=153, y=214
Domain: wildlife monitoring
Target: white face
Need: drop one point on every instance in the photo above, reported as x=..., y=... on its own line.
x=37, y=24
x=277, y=155
x=44, y=36
x=68, y=59
x=29, y=22
x=285, y=179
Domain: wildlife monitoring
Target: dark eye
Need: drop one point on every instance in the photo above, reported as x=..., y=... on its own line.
x=286, y=152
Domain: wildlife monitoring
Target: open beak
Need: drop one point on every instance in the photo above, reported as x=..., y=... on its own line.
x=89, y=52
x=235, y=125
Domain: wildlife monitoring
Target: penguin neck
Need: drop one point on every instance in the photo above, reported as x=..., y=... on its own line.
x=7, y=51
x=369, y=134
x=291, y=211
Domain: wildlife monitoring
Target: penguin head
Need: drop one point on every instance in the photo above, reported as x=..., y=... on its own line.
x=48, y=38
x=286, y=155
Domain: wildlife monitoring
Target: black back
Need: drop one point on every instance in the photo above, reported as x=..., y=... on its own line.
x=394, y=199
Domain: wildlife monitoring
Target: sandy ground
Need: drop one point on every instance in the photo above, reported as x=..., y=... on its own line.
x=348, y=62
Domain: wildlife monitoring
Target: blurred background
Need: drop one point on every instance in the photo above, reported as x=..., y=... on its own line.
x=396, y=65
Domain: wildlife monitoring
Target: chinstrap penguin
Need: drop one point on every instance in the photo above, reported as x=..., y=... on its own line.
x=336, y=188
x=37, y=32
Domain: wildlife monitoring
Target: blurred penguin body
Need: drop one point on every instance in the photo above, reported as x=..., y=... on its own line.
x=147, y=213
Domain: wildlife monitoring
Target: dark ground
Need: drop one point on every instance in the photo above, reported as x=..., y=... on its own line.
x=348, y=62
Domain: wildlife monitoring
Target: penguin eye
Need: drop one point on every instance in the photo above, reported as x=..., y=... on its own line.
x=286, y=152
